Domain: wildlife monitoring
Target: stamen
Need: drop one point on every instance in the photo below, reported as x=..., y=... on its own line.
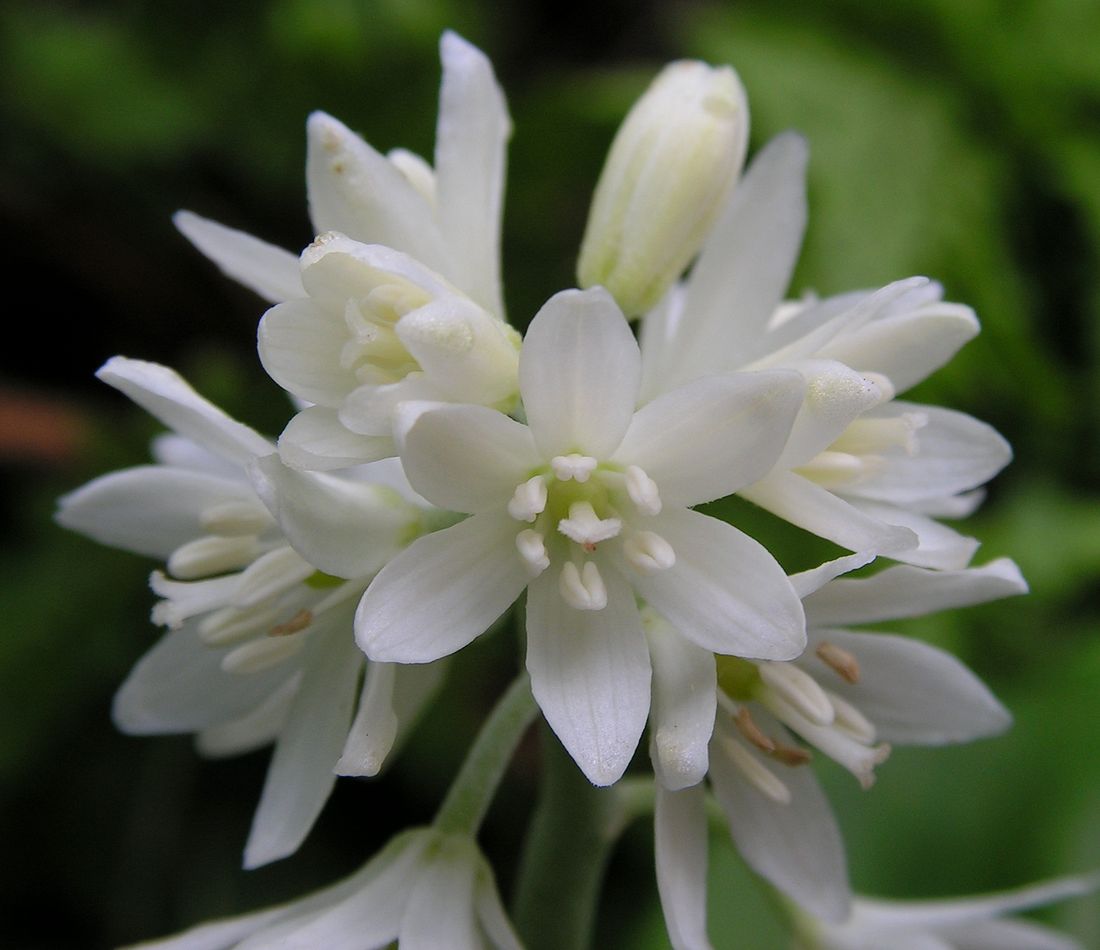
x=532, y=548
x=209, y=555
x=839, y=660
x=792, y=755
x=261, y=654
x=528, y=500
x=231, y=625
x=583, y=589
x=235, y=518
x=574, y=466
x=831, y=469
x=648, y=553
x=868, y=436
x=887, y=390
x=586, y=527
x=758, y=774
x=302, y=619
x=747, y=726
x=852, y=721
x=800, y=690
x=642, y=491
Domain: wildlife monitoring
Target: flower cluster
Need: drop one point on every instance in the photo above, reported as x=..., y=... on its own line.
x=439, y=466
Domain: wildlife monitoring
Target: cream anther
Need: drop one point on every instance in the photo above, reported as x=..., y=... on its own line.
x=799, y=689
x=528, y=500
x=586, y=527
x=867, y=436
x=261, y=654
x=642, y=491
x=532, y=548
x=851, y=720
x=647, y=552
x=583, y=589
x=574, y=466
x=207, y=556
x=758, y=774
x=236, y=518
x=231, y=625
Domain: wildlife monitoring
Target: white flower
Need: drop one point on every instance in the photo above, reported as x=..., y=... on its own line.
x=587, y=508
x=426, y=889
x=260, y=647
x=865, y=472
x=847, y=696
x=674, y=160
x=965, y=923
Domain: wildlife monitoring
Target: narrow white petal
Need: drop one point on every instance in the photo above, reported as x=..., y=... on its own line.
x=300, y=345
x=166, y=395
x=278, y=570
x=268, y=270
x=470, y=138
x=301, y=775
x=253, y=730
x=812, y=507
x=343, y=527
x=938, y=546
x=807, y=582
x=905, y=591
x=590, y=673
x=442, y=591
x=316, y=440
x=745, y=264
x=176, y=451
x=713, y=436
x=680, y=839
x=657, y=333
x=725, y=593
x=1008, y=935
x=355, y=190
x=467, y=458
x=579, y=373
x=797, y=846
x=913, y=692
x=440, y=908
x=490, y=912
x=149, y=510
x=684, y=700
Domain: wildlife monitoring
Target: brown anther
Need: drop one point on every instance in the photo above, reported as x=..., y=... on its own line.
x=791, y=754
x=751, y=731
x=840, y=660
x=589, y=546
x=302, y=619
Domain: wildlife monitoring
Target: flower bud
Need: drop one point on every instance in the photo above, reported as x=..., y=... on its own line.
x=672, y=163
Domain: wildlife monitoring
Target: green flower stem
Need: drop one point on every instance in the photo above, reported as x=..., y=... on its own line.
x=472, y=790
x=565, y=855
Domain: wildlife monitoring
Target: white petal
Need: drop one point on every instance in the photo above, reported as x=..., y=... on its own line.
x=938, y=545
x=801, y=502
x=726, y=592
x=179, y=686
x=1008, y=935
x=166, y=395
x=490, y=912
x=713, y=436
x=913, y=692
x=579, y=373
x=175, y=451
x=301, y=775
x=906, y=347
x=684, y=700
x=355, y=190
x=680, y=838
x=440, y=908
x=955, y=453
x=315, y=439
x=905, y=591
x=149, y=510
x=300, y=345
x=467, y=458
x=442, y=591
x=343, y=527
x=807, y=582
x=657, y=332
x=590, y=673
x=797, y=846
x=268, y=270
x=253, y=730
x=470, y=138
x=745, y=265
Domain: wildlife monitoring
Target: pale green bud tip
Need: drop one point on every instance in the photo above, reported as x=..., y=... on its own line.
x=673, y=161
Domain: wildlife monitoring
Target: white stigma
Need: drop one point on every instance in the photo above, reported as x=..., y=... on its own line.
x=799, y=689
x=574, y=466
x=532, y=548
x=583, y=589
x=586, y=527
x=642, y=491
x=648, y=553
x=528, y=500
x=852, y=721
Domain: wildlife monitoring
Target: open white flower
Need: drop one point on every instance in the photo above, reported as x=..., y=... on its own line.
x=847, y=696
x=587, y=508
x=260, y=645
x=865, y=472
x=962, y=923
x=426, y=889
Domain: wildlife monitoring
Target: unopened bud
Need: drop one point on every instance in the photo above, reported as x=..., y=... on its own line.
x=672, y=163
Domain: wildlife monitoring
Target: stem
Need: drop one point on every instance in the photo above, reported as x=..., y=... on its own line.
x=473, y=788
x=565, y=855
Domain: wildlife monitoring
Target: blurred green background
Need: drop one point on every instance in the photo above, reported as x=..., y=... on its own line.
x=958, y=140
